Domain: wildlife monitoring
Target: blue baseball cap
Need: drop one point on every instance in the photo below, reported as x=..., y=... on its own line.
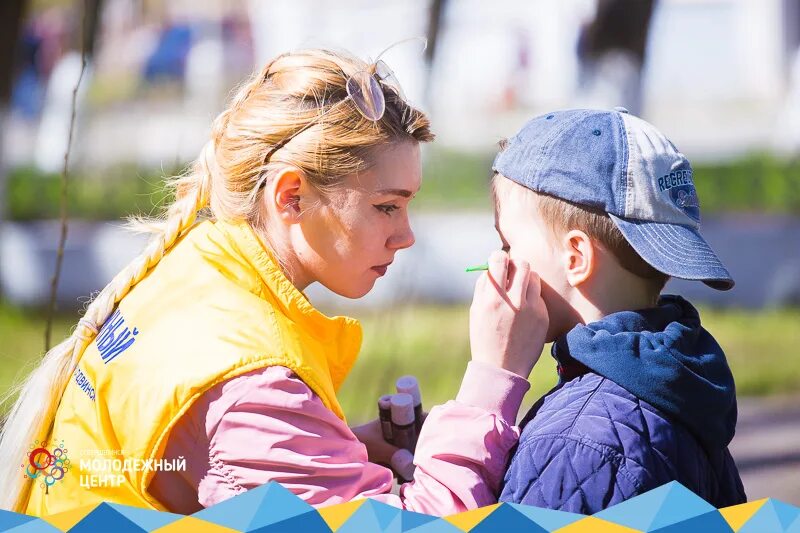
x=618, y=163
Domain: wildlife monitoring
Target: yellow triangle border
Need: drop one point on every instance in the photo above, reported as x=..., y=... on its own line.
x=737, y=515
x=336, y=515
x=469, y=519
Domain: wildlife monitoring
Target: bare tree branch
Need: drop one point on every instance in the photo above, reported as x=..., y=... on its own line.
x=64, y=189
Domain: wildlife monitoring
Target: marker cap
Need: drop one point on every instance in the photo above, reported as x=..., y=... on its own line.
x=410, y=385
x=402, y=462
x=402, y=409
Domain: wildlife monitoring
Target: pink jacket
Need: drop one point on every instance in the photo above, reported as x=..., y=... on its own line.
x=268, y=425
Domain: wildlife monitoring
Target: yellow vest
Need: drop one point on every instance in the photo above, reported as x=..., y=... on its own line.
x=216, y=306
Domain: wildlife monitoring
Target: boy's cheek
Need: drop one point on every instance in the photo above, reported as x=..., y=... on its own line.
x=562, y=315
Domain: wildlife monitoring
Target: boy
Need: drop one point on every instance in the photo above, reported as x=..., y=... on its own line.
x=603, y=207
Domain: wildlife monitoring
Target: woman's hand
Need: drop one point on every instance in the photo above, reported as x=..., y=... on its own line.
x=508, y=319
x=378, y=450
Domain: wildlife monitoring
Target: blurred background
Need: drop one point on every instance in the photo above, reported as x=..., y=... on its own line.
x=720, y=77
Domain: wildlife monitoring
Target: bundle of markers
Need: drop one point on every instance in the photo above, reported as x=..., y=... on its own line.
x=401, y=421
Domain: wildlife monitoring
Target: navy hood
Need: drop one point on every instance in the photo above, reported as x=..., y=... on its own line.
x=663, y=356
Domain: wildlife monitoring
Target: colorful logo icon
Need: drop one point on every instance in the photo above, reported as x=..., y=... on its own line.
x=47, y=464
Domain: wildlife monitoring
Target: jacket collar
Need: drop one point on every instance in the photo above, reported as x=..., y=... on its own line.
x=342, y=334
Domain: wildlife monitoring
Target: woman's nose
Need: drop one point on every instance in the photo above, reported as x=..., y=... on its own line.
x=403, y=238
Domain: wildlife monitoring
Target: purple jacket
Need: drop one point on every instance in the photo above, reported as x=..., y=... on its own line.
x=645, y=398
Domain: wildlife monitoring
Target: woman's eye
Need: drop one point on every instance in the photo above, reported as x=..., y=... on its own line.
x=386, y=208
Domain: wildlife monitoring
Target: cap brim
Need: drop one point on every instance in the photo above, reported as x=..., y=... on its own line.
x=679, y=251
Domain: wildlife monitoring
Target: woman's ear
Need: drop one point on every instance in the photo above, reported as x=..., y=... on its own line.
x=580, y=257
x=284, y=192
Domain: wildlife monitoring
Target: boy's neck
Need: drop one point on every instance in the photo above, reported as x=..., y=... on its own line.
x=591, y=312
x=623, y=292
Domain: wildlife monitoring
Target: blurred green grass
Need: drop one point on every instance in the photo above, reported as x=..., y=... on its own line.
x=453, y=180
x=22, y=342
x=431, y=342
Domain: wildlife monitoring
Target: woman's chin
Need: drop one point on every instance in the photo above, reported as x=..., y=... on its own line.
x=354, y=292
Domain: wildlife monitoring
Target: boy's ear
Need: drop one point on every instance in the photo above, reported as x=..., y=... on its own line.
x=579, y=253
x=284, y=194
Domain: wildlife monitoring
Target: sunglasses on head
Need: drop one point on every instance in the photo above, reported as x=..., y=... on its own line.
x=365, y=91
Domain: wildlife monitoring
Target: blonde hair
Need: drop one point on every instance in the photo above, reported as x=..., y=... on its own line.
x=563, y=215
x=288, y=94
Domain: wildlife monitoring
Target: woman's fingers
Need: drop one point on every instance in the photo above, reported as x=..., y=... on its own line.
x=509, y=278
x=371, y=435
x=534, y=289
x=498, y=270
x=508, y=318
x=521, y=274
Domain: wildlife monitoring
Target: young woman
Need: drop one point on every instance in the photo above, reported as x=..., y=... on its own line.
x=202, y=371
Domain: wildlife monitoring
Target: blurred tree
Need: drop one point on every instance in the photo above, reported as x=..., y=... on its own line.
x=435, y=14
x=618, y=25
x=615, y=38
x=11, y=12
x=10, y=24
x=92, y=29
